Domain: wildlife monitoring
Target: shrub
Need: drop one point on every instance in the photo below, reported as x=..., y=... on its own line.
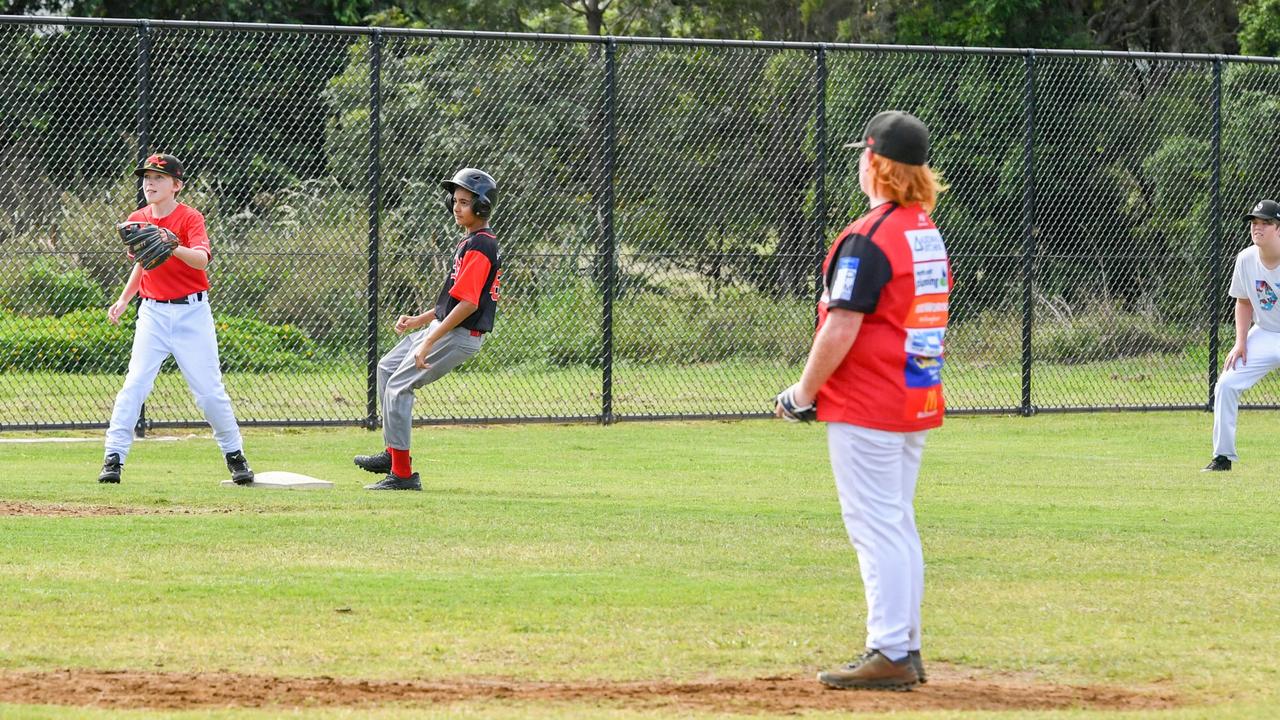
x=84, y=342
x=43, y=288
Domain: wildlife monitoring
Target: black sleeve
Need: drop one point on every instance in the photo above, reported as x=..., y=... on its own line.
x=858, y=272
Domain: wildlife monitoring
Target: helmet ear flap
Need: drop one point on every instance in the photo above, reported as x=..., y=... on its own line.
x=482, y=206
x=448, y=202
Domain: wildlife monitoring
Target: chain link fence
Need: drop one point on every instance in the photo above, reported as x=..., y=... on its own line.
x=664, y=210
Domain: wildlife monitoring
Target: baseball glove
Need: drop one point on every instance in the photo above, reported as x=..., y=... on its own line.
x=793, y=413
x=148, y=245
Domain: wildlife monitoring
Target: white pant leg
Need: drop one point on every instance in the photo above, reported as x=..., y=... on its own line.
x=913, y=451
x=1262, y=355
x=872, y=469
x=150, y=348
x=195, y=347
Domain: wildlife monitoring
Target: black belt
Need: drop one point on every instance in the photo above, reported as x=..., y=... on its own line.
x=182, y=300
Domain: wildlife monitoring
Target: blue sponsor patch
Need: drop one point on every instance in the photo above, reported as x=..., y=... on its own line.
x=923, y=372
x=846, y=273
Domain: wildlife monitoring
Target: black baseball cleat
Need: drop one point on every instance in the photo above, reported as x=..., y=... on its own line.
x=111, y=467
x=241, y=473
x=395, y=482
x=379, y=463
x=1220, y=463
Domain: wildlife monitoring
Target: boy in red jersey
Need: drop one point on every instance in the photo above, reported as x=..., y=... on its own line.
x=875, y=375
x=454, y=328
x=173, y=319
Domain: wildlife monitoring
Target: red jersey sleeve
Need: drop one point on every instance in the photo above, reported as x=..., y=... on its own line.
x=472, y=273
x=196, y=236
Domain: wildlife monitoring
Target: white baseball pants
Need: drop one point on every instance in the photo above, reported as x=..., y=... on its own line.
x=1262, y=355
x=186, y=332
x=876, y=475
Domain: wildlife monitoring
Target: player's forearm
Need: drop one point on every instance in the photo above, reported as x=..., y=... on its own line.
x=131, y=285
x=829, y=349
x=1244, y=319
x=193, y=257
x=460, y=312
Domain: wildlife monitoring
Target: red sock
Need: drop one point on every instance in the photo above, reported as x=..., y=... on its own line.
x=400, y=463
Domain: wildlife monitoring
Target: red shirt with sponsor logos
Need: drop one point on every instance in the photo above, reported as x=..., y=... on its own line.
x=890, y=264
x=174, y=278
x=475, y=277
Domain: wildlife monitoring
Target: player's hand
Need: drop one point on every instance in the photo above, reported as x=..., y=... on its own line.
x=794, y=405
x=1236, y=354
x=420, y=357
x=116, y=310
x=405, y=323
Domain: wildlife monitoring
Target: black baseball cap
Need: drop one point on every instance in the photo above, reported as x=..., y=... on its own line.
x=1265, y=210
x=161, y=163
x=898, y=136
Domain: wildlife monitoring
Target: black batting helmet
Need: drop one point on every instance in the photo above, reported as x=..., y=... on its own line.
x=480, y=183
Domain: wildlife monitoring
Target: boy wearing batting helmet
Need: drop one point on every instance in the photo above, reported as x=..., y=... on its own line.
x=173, y=318
x=454, y=329
x=1255, y=285
x=874, y=375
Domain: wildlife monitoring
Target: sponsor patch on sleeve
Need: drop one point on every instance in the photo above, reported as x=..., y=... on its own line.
x=846, y=274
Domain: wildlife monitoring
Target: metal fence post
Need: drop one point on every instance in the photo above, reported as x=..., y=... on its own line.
x=1215, y=239
x=819, y=170
x=375, y=193
x=607, y=240
x=144, y=145
x=1029, y=230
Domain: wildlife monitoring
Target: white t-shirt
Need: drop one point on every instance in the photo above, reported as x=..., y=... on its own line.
x=1261, y=287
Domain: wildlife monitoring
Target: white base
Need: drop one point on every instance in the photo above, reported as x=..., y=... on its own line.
x=280, y=480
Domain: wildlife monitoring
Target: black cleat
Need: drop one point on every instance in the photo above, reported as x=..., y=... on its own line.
x=111, y=467
x=1220, y=463
x=918, y=663
x=378, y=463
x=395, y=482
x=241, y=473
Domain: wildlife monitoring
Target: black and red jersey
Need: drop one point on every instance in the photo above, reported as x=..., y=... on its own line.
x=474, y=277
x=891, y=265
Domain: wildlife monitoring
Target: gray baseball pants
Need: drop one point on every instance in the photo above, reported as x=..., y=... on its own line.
x=398, y=376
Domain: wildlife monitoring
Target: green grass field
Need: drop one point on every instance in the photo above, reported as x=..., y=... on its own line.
x=1075, y=550
x=739, y=387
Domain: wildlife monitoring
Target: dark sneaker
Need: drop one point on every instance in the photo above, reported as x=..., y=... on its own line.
x=241, y=473
x=1220, y=463
x=378, y=463
x=395, y=482
x=872, y=671
x=918, y=663
x=111, y=467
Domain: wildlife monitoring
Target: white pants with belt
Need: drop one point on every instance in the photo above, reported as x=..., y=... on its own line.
x=876, y=475
x=1262, y=355
x=186, y=332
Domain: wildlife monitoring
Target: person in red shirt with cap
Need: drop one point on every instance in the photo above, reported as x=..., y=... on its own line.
x=874, y=374
x=454, y=329
x=173, y=319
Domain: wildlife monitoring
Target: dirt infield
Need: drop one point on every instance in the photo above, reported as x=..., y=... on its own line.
x=948, y=689
x=27, y=509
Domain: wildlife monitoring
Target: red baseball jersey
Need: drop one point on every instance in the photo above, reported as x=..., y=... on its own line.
x=476, y=277
x=174, y=278
x=890, y=264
